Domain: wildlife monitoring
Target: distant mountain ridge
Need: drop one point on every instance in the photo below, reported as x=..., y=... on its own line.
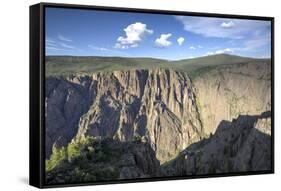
x=66, y=65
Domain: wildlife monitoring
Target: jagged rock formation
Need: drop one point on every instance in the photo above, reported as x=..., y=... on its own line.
x=237, y=146
x=157, y=106
x=106, y=159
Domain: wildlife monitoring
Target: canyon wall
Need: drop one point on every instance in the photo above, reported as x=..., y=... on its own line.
x=221, y=116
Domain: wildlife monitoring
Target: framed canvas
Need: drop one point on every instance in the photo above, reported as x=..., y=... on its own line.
x=130, y=95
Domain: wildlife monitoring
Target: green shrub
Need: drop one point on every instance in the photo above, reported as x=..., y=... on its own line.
x=58, y=155
x=73, y=150
x=137, y=139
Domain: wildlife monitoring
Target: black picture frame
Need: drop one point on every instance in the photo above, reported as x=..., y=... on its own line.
x=37, y=91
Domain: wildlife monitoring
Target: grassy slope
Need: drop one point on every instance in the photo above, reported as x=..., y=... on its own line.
x=65, y=65
x=201, y=65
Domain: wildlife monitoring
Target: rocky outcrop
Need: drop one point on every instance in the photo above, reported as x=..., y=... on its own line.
x=237, y=146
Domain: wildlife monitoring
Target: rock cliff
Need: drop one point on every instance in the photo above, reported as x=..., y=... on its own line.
x=232, y=90
x=242, y=145
x=157, y=106
x=66, y=100
x=210, y=124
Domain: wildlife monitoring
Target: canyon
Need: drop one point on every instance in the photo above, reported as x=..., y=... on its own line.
x=164, y=121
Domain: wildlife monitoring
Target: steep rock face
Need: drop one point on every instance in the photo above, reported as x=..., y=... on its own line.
x=157, y=106
x=66, y=100
x=233, y=90
x=169, y=106
x=237, y=146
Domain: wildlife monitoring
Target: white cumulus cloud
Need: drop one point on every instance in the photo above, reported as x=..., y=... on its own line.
x=134, y=34
x=221, y=51
x=209, y=53
x=180, y=40
x=224, y=51
x=192, y=48
x=229, y=24
x=163, y=41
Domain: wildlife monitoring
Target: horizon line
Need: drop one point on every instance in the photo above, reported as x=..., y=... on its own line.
x=234, y=55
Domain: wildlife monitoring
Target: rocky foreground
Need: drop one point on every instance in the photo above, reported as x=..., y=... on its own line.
x=160, y=122
x=104, y=159
x=243, y=145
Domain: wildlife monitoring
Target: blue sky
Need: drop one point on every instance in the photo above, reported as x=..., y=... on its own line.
x=103, y=33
